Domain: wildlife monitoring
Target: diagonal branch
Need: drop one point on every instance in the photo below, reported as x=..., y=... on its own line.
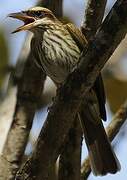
x=69, y=159
x=29, y=91
x=93, y=17
x=112, y=130
x=94, y=14
x=30, y=86
x=69, y=97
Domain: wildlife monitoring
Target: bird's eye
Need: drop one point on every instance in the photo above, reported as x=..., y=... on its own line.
x=38, y=13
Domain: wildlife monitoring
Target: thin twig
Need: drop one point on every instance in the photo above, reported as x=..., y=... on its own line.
x=69, y=97
x=112, y=130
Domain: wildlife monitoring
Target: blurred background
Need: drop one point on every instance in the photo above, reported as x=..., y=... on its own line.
x=114, y=75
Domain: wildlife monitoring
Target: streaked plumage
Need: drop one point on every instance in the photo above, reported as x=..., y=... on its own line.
x=56, y=57
x=56, y=48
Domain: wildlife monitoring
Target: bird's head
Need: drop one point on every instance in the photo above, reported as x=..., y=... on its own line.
x=33, y=18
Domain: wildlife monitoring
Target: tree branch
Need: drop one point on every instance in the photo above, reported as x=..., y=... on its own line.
x=69, y=97
x=94, y=14
x=112, y=130
x=70, y=158
x=93, y=17
x=29, y=91
x=30, y=88
x=6, y=113
x=69, y=164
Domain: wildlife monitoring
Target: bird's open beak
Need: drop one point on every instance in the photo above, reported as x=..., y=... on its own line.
x=28, y=21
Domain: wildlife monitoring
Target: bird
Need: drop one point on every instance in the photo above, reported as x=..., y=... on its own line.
x=56, y=48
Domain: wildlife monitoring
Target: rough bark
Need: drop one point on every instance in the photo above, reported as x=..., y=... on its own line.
x=93, y=17
x=30, y=85
x=112, y=130
x=29, y=91
x=6, y=114
x=69, y=97
x=70, y=158
x=68, y=168
x=94, y=14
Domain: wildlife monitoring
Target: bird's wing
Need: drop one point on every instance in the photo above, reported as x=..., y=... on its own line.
x=98, y=87
x=102, y=158
x=77, y=35
x=100, y=93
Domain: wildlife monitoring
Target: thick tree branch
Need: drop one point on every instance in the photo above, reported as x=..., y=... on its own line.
x=93, y=17
x=70, y=158
x=69, y=97
x=30, y=86
x=112, y=130
x=69, y=164
x=6, y=113
x=29, y=91
x=94, y=14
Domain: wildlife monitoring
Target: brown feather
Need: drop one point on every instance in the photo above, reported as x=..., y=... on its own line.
x=98, y=86
x=102, y=158
x=56, y=48
x=77, y=35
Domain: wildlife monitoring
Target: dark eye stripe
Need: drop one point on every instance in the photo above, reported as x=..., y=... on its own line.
x=39, y=14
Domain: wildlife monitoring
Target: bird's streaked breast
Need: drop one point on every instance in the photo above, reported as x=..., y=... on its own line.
x=58, y=53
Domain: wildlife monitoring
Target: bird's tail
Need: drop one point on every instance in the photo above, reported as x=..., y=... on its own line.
x=102, y=157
